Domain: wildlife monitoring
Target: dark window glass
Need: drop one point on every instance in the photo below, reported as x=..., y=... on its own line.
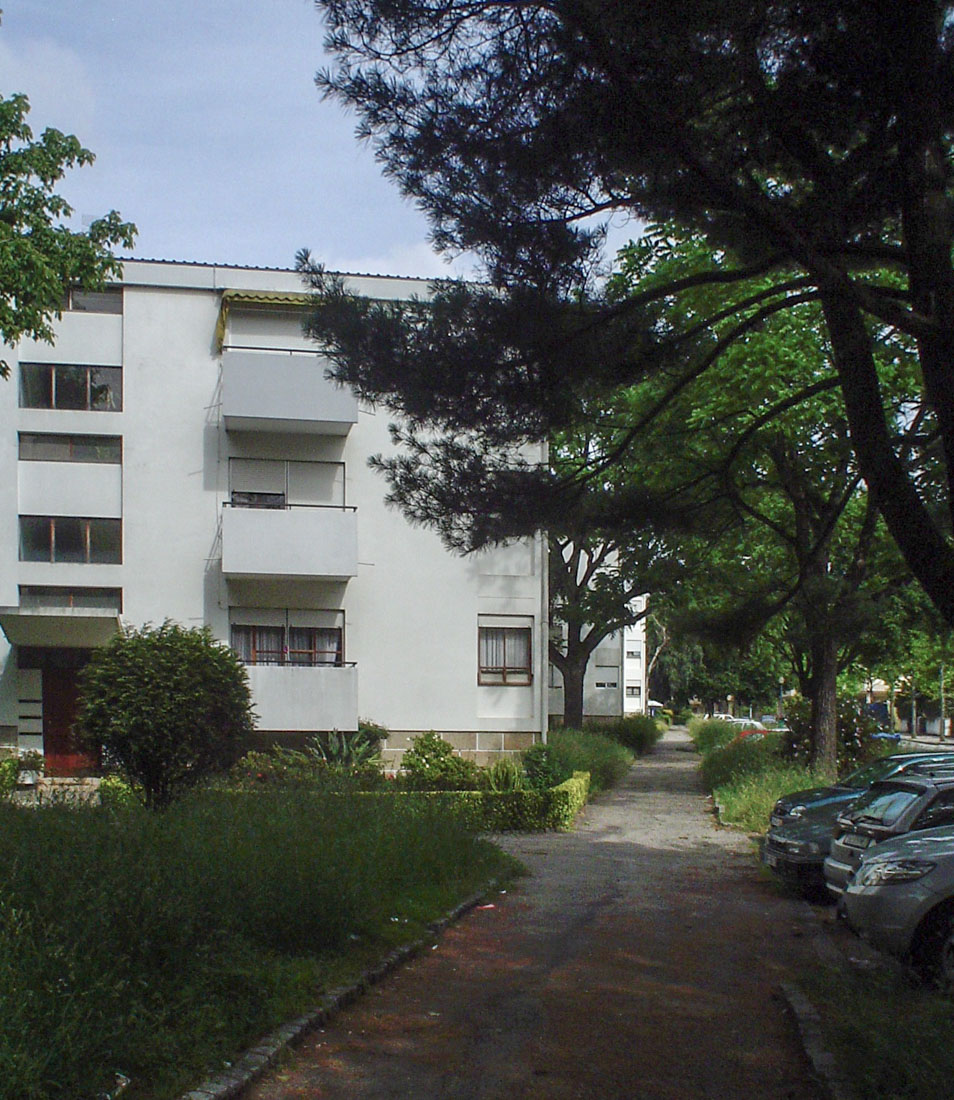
x=69, y=539
x=35, y=538
x=105, y=541
x=106, y=388
x=36, y=386
x=109, y=300
x=69, y=387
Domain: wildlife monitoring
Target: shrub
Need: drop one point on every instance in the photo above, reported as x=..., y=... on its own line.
x=854, y=726
x=169, y=705
x=709, y=733
x=505, y=774
x=541, y=767
x=638, y=732
x=740, y=757
x=431, y=764
x=606, y=760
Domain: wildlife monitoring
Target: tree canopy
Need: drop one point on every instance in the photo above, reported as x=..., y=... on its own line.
x=40, y=256
x=811, y=142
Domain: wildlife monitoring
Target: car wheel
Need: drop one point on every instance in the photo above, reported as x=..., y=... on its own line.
x=933, y=955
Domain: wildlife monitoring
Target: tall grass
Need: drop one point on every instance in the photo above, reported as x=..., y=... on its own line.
x=747, y=776
x=156, y=945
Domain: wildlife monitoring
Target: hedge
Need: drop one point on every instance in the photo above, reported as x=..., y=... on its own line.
x=524, y=811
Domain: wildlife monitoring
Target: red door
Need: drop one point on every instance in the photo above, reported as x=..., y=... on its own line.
x=61, y=756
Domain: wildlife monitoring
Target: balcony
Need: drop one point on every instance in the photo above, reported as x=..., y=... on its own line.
x=299, y=697
x=288, y=543
x=283, y=392
x=59, y=616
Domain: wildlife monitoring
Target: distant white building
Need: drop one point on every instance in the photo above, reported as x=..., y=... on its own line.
x=615, y=679
x=179, y=454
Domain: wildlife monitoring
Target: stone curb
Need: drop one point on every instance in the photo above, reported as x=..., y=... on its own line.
x=823, y=1062
x=231, y=1083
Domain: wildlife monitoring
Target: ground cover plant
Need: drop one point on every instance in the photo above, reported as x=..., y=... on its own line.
x=156, y=945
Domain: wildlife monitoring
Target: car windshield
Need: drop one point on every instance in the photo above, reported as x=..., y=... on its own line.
x=863, y=777
x=884, y=804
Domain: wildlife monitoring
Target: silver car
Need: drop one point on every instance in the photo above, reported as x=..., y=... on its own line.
x=920, y=799
x=901, y=899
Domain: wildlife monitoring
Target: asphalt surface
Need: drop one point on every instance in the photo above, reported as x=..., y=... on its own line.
x=641, y=958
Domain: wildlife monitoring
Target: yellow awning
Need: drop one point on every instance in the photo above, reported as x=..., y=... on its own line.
x=275, y=298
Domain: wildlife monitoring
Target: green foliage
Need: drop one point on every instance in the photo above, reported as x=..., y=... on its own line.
x=746, y=800
x=528, y=810
x=505, y=774
x=854, y=726
x=117, y=793
x=348, y=749
x=606, y=760
x=431, y=764
x=709, y=733
x=12, y=768
x=740, y=757
x=638, y=732
x=168, y=705
x=157, y=945
x=40, y=258
x=540, y=766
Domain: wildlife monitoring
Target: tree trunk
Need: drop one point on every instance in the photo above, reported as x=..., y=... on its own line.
x=573, y=674
x=824, y=704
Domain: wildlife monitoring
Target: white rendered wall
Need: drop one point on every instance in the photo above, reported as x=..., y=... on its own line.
x=410, y=615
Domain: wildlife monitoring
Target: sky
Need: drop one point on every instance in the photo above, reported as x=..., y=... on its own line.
x=209, y=132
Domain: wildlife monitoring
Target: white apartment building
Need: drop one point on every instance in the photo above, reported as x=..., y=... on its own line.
x=180, y=455
x=615, y=680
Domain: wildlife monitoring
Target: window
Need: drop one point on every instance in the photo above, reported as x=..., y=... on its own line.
x=36, y=447
x=633, y=654
x=633, y=691
x=294, y=645
x=504, y=655
x=35, y=597
x=71, y=539
x=606, y=684
x=70, y=386
x=107, y=300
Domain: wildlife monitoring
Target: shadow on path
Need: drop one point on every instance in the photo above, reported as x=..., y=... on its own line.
x=639, y=959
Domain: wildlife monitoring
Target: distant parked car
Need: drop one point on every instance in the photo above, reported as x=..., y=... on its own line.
x=906, y=804
x=901, y=899
x=800, y=833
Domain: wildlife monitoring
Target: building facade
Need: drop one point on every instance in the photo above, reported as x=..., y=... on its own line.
x=614, y=683
x=180, y=455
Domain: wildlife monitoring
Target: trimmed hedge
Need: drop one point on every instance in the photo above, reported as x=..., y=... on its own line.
x=524, y=811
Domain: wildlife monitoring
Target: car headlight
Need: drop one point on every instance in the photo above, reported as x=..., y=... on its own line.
x=788, y=811
x=885, y=871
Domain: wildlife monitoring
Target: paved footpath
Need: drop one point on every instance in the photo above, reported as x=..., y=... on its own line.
x=639, y=960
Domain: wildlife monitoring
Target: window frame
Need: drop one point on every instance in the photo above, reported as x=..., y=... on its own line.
x=285, y=653
x=506, y=674
x=72, y=440
x=86, y=539
x=52, y=387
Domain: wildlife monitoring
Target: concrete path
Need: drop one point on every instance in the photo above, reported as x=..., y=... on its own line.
x=640, y=959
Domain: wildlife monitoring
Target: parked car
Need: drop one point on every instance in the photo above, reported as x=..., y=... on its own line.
x=901, y=899
x=800, y=833
x=915, y=801
x=793, y=807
